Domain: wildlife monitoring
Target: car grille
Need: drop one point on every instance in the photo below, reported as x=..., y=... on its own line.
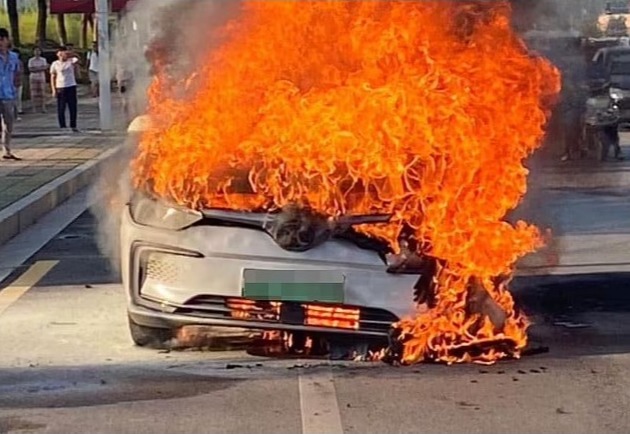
x=337, y=317
x=163, y=271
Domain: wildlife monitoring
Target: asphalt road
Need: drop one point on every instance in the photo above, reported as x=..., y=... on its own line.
x=67, y=365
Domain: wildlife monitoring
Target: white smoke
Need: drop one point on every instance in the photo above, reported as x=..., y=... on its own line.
x=179, y=29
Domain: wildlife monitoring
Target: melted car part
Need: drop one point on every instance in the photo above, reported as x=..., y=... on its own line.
x=425, y=289
x=480, y=302
x=394, y=352
x=299, y=229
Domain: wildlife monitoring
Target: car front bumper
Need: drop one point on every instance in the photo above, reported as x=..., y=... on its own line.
x=194, y=277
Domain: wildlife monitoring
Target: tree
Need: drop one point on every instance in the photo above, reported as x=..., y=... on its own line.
x=14, y=21
x=42, y=10
x=61, y=29
x=86, y=23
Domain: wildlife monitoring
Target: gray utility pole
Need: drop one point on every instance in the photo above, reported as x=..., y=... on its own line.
x=104, y=72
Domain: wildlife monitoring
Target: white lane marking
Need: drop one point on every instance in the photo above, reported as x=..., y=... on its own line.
x=318, y=403
x=26, y=244
x=22, y=284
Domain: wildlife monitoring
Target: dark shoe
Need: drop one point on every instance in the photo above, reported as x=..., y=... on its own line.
x=76, y=130
x=11, y=157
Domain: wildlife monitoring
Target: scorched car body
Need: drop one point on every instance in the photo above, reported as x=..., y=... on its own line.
x=246, y=270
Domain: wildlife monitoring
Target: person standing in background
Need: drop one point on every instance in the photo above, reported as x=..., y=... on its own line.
x=571, y=108
x=37, y=66
x=10, y=80
x=124, y=82
x=92, y=57
x=20, y=90
x=63, y=81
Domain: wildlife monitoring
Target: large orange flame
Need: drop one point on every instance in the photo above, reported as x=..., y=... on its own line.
x=424, y=109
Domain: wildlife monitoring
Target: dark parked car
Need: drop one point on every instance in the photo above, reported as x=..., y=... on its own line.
x=611, y=67
x=617, y=7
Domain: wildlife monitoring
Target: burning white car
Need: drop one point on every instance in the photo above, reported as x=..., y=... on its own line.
x=341, y=169
x=292, y=270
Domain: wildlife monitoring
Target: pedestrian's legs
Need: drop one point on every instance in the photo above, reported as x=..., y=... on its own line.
x=18, y=100
x=38, y=95
x=7, y=109
x=572, y=139
x=616, y=143
x=609, y=137
x=72, y=105
x=6, y=139
x=563, y=136
x=94, y=83
x=61, y=107
x=125, y=103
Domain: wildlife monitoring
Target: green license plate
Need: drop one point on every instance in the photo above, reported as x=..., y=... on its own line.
x=294, y=285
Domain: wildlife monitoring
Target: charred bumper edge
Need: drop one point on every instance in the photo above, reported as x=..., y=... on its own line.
x=152, y=318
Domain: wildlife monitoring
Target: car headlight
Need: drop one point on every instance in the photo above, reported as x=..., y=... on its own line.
x=155, y=213
x=615, y=94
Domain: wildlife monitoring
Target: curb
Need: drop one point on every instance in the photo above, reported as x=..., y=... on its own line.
x=582, y=180
x=18, y=216
x=579, y=254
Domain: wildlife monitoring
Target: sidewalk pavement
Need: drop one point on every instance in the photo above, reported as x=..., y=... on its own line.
x=55, y=164
x=583, y=174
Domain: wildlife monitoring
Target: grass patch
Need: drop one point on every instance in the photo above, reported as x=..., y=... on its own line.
x=28, y=27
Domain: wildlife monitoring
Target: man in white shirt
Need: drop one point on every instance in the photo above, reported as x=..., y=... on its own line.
x=63, y=81
x=92, y=57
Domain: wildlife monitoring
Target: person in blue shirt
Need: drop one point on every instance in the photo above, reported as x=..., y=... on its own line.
x=10, y=80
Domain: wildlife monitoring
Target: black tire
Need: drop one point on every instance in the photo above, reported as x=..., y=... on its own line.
x=151, y=337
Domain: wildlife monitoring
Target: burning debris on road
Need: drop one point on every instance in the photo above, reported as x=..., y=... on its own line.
x=421, y=110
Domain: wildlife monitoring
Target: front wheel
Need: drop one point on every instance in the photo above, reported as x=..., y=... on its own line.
x=151, y=337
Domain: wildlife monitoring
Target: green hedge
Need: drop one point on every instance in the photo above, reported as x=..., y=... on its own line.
x=28, y=25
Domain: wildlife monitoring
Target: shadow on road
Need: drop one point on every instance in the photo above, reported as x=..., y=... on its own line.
x=577, y=315
x=94, y=385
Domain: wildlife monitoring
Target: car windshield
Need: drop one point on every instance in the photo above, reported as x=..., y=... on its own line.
x=620, y=57
x=620, y=71
x=621, y=81
x=618, y=7
x=596, y=71
x=620, y=68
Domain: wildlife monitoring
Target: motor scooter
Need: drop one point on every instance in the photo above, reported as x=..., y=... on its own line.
x=600, y=127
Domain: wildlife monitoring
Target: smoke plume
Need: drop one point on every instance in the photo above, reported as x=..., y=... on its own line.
x=167, y=31
x=177, y=32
